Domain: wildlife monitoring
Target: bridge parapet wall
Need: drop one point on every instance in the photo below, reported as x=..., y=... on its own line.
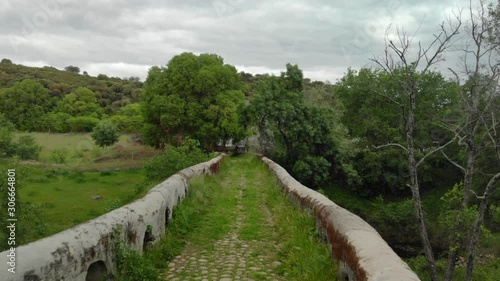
x=86, y=251
x=357, y=247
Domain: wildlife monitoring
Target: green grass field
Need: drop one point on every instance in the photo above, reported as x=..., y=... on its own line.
x=70, y=198
x=90, y=182
x=78, y=151
x=60, y=199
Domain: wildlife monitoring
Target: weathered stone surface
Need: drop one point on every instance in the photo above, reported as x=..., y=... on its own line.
x=68, y=255
x=231, y=258
x=359, y=250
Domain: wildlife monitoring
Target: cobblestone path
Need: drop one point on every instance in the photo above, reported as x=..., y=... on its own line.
x=233, y=257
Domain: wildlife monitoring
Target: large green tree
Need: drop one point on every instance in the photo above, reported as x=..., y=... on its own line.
x=306, y=139
x=25, y=103
x=375, y=108
x=81, y=102
x=128, y=119
x=195, y=96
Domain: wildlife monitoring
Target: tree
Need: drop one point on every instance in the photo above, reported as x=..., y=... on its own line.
x=27, y=148
x=476, y=128
x=72, y=69
x=6, y=61
x=81, y=102
x=194, y=96
x=306, y=139
x=105, y=134
x=364, y=95
x=405, y=70
x=56, y=122
x=128, y=119
x=82, y=123
x=6, y=147
x=25, y=103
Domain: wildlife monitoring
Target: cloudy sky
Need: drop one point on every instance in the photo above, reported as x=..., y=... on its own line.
x=125, y=37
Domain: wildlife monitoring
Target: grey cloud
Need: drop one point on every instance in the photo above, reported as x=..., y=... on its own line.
x=323, y=37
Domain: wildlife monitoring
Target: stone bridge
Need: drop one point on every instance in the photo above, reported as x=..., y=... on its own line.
x=85, y=252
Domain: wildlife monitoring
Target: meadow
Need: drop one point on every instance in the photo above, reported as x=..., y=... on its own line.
x=78, y=151
x=74, y=181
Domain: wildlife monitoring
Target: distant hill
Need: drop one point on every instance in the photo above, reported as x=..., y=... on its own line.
x=112, y=93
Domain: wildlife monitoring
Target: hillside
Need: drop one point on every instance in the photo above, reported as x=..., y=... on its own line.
x=111, y=92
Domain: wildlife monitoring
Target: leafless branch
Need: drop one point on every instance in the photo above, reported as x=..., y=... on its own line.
x=391, y=144
x=434, y=151
x=453, y=162
x=477, y=196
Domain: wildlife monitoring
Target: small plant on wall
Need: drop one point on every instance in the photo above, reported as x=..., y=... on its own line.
x=131, y=266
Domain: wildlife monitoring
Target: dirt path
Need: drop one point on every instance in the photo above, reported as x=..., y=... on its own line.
x=249, y=249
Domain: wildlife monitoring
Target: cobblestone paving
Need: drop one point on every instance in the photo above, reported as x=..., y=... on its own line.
x=230, y=258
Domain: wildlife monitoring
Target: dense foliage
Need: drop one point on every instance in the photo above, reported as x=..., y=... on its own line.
x=307, y=139
x=375, y=107
x=51, y=100
x=175, y=159
x=105, y=134
x=194, y=96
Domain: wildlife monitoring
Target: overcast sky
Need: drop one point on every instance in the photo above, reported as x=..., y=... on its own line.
x=125, y=37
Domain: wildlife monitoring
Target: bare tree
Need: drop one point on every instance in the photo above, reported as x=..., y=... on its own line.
x=404, y=60
x=477, y=82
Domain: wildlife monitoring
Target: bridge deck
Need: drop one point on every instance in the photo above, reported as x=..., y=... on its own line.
x=253, y=245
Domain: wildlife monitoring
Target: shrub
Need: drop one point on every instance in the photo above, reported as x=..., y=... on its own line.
x=59, y=156
x=175, y=159
x=82, y=123
x=6, y=146
x=105, y=134
x=132, y=266
x=56, y=122
x=26, y=148
x=312, y=171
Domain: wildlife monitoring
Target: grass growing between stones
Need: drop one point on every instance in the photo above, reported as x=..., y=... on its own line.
x=202, y=217
x=238, y=226
x=304, y=256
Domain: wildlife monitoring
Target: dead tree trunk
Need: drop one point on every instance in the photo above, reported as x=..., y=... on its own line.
x=425, y=58
x=474, y=240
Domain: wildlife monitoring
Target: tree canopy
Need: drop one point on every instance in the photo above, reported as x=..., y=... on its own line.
x=81, y=102
x=308, y=140
x=195, y=96
x=25, y=103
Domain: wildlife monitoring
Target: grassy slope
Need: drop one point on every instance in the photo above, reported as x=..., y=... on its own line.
x=67, y=199
x=63, y=195
x=82, y=154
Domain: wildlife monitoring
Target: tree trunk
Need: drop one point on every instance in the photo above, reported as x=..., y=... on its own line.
x=476, y=231
x=458, y=229
x=415, y=189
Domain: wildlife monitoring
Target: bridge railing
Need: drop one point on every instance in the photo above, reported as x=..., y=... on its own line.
x=86, y=251
x=358, y=248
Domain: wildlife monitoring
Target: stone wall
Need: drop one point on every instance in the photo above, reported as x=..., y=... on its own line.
x=359, y=250
x=85, y=252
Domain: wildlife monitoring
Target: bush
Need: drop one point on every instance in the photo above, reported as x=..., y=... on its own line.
x=26, y=148
x=105, y=134
x=59, y=156
x=312, y=171
x=6, y=146
x=175, y=159
x=56, y=122
x=82, y=123
x=30, y=226
x=397, y=224
x=132, y=266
